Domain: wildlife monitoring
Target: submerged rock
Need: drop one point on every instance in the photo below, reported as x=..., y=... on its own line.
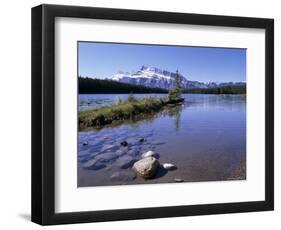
x=123, y=176
x=148, y=154
x=106, y=147
x=94, y=165
x=106, y=157
x=169, y=166
x=146, y=167
x=125, y=162
x=121, y=152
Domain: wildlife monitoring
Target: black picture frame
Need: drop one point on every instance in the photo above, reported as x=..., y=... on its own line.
x=43, y=114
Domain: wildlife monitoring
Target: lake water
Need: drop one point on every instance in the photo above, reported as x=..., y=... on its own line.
x=205, y=138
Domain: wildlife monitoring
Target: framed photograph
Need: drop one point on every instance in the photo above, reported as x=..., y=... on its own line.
x=142, y=114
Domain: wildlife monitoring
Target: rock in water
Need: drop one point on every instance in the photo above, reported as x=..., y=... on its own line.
x=124, y=143
x=146, y=167
x=178, y=180
x=148, y=154
x=169, y=166
x=85, y=143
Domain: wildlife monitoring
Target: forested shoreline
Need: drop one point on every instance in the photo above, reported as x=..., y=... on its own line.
x=219, y=90
x=98, y=86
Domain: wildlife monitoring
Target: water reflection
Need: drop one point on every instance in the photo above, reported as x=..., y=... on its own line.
x=172, y=111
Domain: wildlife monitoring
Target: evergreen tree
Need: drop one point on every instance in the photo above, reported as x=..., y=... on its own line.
x=175, y=92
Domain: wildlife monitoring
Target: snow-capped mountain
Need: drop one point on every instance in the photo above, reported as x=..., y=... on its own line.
x=155, y=77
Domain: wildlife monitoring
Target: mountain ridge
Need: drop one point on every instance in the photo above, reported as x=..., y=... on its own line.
x=158, y=78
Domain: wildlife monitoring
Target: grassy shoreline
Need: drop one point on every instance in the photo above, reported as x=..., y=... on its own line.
x=123, y=110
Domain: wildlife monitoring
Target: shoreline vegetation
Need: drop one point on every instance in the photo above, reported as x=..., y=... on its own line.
x=131, y=108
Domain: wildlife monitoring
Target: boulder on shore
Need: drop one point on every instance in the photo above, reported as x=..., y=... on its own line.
x=146, y=167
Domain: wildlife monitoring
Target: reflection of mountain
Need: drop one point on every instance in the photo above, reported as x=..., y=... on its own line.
x=155, y=77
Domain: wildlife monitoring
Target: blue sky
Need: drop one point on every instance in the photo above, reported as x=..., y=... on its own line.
x=103, y=60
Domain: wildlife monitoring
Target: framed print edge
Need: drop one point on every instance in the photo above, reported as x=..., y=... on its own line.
x=36, y=115
x=43, y=118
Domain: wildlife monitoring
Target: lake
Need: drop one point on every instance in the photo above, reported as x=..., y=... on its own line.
x=205, y=138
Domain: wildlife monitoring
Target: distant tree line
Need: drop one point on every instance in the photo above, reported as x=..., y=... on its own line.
x=219, y=90
x=98, y=86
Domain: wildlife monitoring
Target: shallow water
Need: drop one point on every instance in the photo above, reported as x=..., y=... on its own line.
x=205, y=138
x=95, y=101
